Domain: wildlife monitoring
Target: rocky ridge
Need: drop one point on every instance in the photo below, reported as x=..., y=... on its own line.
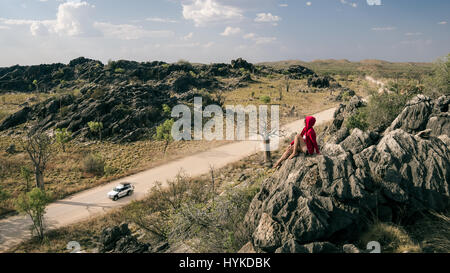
x=322, y=203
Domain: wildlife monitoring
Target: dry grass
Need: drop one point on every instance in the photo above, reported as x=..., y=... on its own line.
x=393, y=239
x=88, y=232
x=10, y=102
x=432, y=232
x=64, y=175
x=305, y=103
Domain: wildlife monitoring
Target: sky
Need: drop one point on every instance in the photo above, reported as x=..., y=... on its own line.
x=209, y=31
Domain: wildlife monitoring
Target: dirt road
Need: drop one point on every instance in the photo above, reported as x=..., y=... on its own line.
x=92, y=202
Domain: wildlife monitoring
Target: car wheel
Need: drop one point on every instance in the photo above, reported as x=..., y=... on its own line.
x=130, y=193
x=115, y=198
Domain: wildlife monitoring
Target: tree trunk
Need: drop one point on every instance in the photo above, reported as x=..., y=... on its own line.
x=267, y=155
x=165, y=146
x=39, y=178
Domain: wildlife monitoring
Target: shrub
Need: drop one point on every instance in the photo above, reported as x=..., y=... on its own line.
x=393, y=239
x=265, y=99
x=63, y=136
x=383, y=108
x=439, y=83
x=97, y=94
x=358, y=120
x=96, y=127
x=119, y=70
x=164, y=133
x=94, y=164
x=33, y=204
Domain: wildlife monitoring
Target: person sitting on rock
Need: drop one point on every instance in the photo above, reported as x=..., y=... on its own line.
x=304, y=142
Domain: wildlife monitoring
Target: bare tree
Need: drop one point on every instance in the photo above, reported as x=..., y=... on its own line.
x=40, y=149
x=287, y=82
x=266, y=134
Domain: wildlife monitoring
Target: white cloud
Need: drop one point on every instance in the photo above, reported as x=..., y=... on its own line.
x=384, y=28
x=283, y=5
x=130, y=32
x=208, y=45
x=267, y=18
x=413, y=33
x=264, y=40
x=249, y=36
x=258, y=39
x=38, y=29
x=442, y=23
x=4, y=27
x=208, y=11
x=161, y=20
x=188, y=37
x=308, y=4
x=374, y=2
x=75, y=19
x=230, y=31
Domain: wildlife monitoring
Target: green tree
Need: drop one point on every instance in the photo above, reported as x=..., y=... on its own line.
x=164, y=133
x=166, y=110
x=26, y=174
x=265, y=99
x=33, y=204
x=36, y=85
x=63, y=136
x=439, y=83
x=40, y=149
x=96, y=128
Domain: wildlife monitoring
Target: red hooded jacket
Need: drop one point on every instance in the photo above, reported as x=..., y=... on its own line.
x=310, y=134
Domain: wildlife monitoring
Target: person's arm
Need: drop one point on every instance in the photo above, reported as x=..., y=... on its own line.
x=314, y=141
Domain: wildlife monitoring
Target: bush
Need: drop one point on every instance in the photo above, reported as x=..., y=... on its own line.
x=265, y=99
x=393, y=239
x=33, y=204
x=383, y=108
x=97, y=94
x=358, y=120
x=188, y=210
x=119, y=70
x=94, y=164
x=439, y=83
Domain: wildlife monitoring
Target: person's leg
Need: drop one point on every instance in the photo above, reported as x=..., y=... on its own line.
x=303, y=147
x=284, y=156
x=297, y=147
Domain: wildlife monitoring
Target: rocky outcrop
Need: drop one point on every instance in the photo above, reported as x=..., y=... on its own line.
x=118, y=239
x=319, y=81
x=423, y=113
x=315, y=204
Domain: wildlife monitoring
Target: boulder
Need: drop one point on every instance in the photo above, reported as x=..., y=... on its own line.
x=15, y=119
x=118, y=239
x=414, y=117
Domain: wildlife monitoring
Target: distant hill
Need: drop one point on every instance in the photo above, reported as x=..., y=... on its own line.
x=378, y=68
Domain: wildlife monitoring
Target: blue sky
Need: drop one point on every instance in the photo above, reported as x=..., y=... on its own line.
x=47, y=31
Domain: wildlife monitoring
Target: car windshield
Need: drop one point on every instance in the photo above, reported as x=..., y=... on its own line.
x=118, y=188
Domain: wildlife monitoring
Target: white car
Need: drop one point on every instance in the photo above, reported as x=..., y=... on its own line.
x=123, y=189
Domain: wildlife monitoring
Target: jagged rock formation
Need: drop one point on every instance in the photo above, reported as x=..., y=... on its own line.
x=126, y=96
x=118, y=239
x=314, y=203
x=319, y=81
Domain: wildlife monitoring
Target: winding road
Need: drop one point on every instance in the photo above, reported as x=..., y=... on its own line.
x=94, y=202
